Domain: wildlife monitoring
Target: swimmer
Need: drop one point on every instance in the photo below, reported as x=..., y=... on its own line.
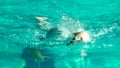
x=82, y=36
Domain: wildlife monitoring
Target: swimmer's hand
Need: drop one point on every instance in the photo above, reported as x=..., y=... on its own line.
x=41, y=18
x=38, y=55
x=42, y=57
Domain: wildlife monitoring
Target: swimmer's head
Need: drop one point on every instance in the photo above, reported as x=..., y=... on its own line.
x=82, y=36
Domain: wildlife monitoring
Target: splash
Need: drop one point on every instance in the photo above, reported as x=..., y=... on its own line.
x=63, y=31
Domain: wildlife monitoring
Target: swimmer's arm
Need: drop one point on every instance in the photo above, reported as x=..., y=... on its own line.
x=42, y=23
x=72, y=42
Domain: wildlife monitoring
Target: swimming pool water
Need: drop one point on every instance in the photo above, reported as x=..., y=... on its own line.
x=19, y=32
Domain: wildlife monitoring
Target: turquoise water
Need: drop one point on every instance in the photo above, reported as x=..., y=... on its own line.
x=19, y=31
